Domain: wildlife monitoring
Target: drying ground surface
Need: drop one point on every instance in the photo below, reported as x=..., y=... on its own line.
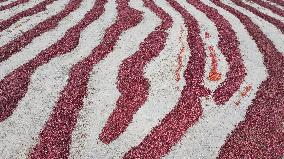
x=141, y=79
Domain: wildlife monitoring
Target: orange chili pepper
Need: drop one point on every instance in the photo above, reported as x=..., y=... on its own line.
x=214, y=75
x=181, y=54
x=246, y=91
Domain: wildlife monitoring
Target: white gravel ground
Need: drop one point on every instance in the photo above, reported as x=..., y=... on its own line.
x=205, y=138
x=265, y=11
x=269, y=29
x=5, y=14
x=29, y=22
x=19, y=133
x=102, y=95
